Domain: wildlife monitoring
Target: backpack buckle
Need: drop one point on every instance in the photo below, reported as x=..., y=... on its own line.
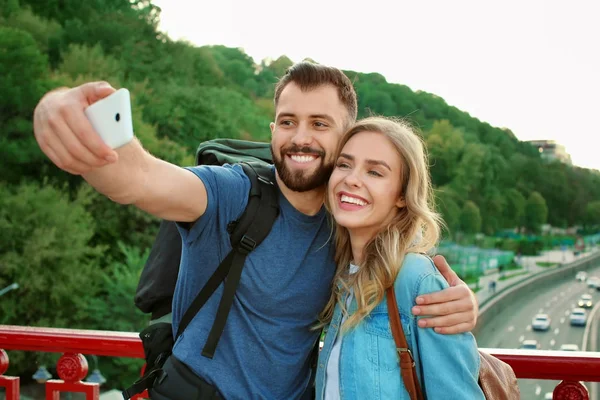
x=247, y=244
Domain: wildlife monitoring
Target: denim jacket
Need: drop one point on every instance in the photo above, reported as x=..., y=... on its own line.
x=447, y=365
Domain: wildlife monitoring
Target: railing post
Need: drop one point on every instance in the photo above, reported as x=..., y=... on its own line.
x=9, y=383
x=570, y=390
x=72, y=368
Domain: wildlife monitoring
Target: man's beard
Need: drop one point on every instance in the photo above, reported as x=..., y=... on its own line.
x=299, y=181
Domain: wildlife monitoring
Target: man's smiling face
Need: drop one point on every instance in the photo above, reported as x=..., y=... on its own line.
x=305, y=134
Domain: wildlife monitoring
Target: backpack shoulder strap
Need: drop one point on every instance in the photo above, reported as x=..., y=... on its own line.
x=246, y=233
x=262, y=199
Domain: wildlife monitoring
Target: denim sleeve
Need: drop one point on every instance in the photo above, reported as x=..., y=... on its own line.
x=449, y=363
x=227, y=189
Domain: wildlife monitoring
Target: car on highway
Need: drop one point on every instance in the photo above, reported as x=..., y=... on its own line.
x=569, y=347
x=530, y=344
x=578, y=317
x=585, y=301
x=581, y=276
x=593, y=282
x=541, y=322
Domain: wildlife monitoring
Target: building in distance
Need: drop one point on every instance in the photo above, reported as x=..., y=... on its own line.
x=550, y=150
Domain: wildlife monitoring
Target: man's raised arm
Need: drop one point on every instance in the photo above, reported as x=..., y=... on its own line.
x=127, y=175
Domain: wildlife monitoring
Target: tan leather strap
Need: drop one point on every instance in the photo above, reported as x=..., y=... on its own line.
x=407, y=363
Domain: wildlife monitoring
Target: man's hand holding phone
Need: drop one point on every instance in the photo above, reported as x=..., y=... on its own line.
x=64, y=132
x=76, y=129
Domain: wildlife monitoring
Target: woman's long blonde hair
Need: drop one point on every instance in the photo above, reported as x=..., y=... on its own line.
x=415, y=228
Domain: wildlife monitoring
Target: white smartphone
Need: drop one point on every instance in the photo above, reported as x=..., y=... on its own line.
x=111, y=118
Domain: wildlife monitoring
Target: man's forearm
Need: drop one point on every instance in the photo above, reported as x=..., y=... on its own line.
x=125, y=181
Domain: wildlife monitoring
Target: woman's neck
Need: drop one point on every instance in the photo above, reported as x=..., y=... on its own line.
x=358, y=242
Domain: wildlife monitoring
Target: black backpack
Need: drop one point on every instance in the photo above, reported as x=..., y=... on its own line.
x=154, y=293
x=155, y=289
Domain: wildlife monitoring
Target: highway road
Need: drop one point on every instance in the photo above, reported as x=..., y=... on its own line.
x=510, y=327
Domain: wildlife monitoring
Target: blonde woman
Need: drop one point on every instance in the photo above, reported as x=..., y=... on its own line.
x=381, y=199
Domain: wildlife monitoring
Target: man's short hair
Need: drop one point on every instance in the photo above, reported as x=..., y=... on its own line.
x=308, y=76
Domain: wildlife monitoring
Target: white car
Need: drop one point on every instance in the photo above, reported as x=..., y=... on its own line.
x=569, y=347
x=548, y=396
x=593, y=281
x=578, y=317
x=530, y=344
x=581, y=276
x=541, y=322
x=585, y=301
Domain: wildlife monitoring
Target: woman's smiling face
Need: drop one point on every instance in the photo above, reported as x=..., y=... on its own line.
x=364, y=188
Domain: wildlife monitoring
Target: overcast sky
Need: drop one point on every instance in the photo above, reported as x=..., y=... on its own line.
x=532, y=66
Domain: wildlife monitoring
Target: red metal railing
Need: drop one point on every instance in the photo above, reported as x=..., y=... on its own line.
x=72, y=366
x=568, y=367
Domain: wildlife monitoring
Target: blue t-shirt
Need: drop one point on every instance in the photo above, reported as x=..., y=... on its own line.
x=264, y=350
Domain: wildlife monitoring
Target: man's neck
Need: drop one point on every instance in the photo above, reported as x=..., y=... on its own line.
x=308, y=203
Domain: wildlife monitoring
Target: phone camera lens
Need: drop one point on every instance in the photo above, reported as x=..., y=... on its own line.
x=118, y=117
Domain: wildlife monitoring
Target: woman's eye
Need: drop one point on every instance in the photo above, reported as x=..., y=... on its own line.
x=342, y=165
x=375, y=173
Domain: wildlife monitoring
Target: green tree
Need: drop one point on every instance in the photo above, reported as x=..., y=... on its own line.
x=279, y=66
x=449, y=209
x=492, y=205
x=190, y=115
x=377, y=102
x=186, y=65
x=8, y=7
x=468, y=179
x=592, y=213
x=23, y=71
x=46, y=32
x=514, y=210
x=536, y=212
x=445, y=145
x=90, y=62
x=45, y=247
x=22, y=68
x=470, y=218
x=113, y=309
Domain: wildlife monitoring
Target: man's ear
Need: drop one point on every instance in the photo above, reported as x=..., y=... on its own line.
x=272, y=126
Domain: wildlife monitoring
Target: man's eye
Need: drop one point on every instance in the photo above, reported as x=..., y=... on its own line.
x=286, y=122
x=320, y=124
